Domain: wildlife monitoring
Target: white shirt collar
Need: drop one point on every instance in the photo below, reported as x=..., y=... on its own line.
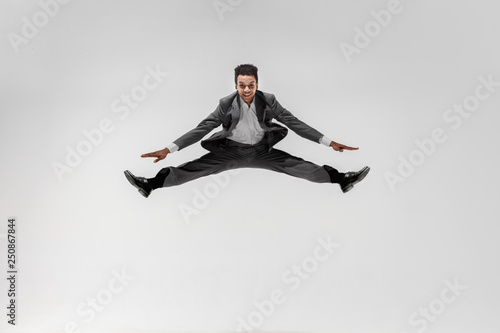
x=243, y=103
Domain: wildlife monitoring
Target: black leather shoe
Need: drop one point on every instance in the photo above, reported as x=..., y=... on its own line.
x=140, y=183
x=352, y=178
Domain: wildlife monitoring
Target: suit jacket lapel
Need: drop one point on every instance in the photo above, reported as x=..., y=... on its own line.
x=260, y=105
x=234, y=112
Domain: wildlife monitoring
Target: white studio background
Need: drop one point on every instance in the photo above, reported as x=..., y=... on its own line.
x=416, y=241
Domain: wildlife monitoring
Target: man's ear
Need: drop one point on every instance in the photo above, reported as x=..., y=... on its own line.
x=236, y=86
x=257, y=85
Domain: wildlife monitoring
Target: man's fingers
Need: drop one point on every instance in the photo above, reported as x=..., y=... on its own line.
x=158, y=154
x=153, y=154
x=341, y=147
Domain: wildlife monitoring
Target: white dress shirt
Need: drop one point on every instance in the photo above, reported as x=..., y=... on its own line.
x=248, y=129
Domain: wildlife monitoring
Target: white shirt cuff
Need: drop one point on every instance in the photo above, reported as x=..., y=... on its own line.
x=173, y=147
x=324, y=140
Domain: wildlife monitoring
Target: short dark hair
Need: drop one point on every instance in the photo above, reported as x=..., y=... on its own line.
x=245, y=69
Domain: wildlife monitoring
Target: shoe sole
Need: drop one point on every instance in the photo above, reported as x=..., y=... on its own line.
x=362, y=176
x=131, y=180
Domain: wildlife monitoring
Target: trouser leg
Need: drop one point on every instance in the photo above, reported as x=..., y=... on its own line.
x=280, y=161
x=238, y=157
x=206, y=165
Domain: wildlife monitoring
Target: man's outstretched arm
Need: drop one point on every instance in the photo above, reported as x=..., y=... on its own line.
x=204, y=127
x=306, y=131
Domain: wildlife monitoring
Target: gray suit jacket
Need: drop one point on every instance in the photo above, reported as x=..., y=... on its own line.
x=227, y=114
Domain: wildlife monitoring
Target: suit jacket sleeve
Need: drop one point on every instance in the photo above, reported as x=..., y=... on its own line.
x=289, y=120
x=204, y=127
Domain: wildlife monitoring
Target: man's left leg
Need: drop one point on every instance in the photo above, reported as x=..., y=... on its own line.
x=212, y=163
x=280, y=161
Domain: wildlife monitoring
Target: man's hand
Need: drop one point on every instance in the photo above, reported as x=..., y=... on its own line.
x=160, y=154
x=340, y=147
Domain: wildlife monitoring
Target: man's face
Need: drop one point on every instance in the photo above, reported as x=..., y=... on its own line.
x=247, y=86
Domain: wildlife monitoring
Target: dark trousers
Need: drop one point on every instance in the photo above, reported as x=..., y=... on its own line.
x=236, y=155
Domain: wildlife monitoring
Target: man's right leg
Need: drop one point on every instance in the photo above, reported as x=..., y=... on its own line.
x=206, y=165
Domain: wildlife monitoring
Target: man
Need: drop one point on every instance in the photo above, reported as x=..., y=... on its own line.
x=247, y=139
